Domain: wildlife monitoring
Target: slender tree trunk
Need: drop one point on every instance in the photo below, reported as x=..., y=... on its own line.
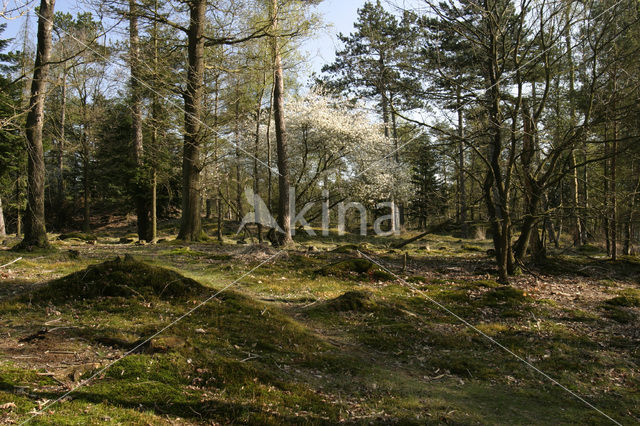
x=18, y=204
x=584, y=199
x=626, y=247
x=462, y=194
x=614, y=190
x=216, y=99
x=3, y=230
x=154, y=208
x=86, y=165
x=35, y=233
x=284, y=220
x=60, y=151
x=191, y=222
x=140, y=197
x=155, y=118
x=606, y=224
x=268, y=136
x=219, y=209
x=575, y=200
x=575, y=186
x=628, y=228
x=256, y=150
x=239, y=191
x=86, y=189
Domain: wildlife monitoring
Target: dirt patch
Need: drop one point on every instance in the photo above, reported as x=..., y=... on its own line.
x=118, y=278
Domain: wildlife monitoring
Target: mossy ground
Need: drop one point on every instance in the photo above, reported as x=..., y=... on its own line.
x=290, y=345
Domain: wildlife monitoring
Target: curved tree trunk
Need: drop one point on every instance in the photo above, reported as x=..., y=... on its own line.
x=35, y=233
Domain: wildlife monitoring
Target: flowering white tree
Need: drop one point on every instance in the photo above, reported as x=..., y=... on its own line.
x=336, y=146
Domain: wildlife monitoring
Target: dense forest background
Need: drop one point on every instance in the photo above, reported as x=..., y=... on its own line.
x=514, y=119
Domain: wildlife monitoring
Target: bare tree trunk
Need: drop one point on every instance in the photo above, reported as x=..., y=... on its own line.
x=142, y=210
x=3, y=230
x=284, y=220
x=216, y=99
x=256, y=149
x=607, y=227
x=191, y=222
x=494, y=188
x=35, y=233
x=60, y=151
x=584, y=198
x=614, y=192
x=86, y=189
x=86, y=165
x=628, y=228
x=239, y=210
x=155, y=118
x=575, y=201
x=462, y=194
x=18, y=204
x=268, y=136
x=154, y=208
x=575, y=187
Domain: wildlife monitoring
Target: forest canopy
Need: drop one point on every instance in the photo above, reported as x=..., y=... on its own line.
x=518, y=118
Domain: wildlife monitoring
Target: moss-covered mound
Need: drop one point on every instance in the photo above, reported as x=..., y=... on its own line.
x=81, y=236
x=505, y=295
x=119, y=278
x=356, y=268
x=352, y=248
x=356, y=301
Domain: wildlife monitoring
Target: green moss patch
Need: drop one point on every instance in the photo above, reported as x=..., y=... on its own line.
x=77, y=236
x=118, y=278
x=628, y=301
x=505, y=296
x=357, y=301
x=588, y=248
x=351, y=248
x=487, y=283
x=356, y=268
x=618, y=314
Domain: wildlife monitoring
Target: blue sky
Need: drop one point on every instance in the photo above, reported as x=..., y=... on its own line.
x=339, y=15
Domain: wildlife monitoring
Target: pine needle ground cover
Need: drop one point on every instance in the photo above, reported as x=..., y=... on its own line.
x=314, y=336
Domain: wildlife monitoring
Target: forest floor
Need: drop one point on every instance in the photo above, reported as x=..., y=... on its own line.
x=315, y=335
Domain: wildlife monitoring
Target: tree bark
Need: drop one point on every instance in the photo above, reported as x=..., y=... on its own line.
x=35, y=233
x=191, y=222
x=155, y=118
x=61, y=213
x=284, y=214
x=462, y=194
x=3, y=230
x=86, y=165
x=614, y=193
x=18, y=204
x=575, y=200
x=628, y=229
x=575, y=186
x=236, y=131
x=140, y=197
x=256, y=149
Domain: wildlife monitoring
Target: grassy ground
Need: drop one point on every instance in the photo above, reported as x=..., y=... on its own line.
x=316, y=335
